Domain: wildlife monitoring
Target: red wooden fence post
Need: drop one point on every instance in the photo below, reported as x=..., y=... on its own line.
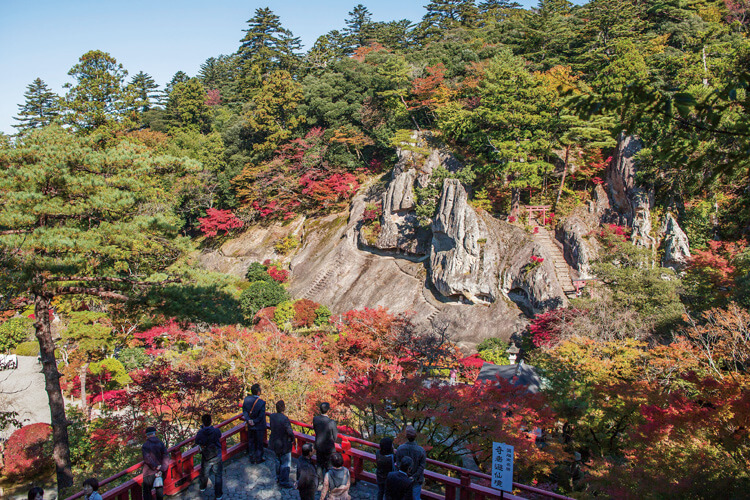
x=465, y=483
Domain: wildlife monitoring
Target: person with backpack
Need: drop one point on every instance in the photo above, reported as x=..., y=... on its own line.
x=254, y=415
x=385, y=464
x=337, y=480
x=209, y=439
x=155, y=465
x=280, y=442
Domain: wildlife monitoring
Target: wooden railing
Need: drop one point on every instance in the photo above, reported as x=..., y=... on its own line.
x=183, y=470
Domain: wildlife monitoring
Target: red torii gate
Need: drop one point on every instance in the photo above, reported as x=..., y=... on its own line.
x=538, y=209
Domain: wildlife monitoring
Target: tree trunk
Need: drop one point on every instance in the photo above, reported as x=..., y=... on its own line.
x=82, y=377
x=515, y=201
x=61, y=449
x=562, y=181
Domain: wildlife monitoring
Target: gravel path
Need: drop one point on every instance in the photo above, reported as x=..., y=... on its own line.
x=22, y=390
x=243, y=481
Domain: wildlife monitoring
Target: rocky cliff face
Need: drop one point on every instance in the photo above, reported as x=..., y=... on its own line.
x=675, y=244
x=400, y=230
x=631, y=201
x=468, y=271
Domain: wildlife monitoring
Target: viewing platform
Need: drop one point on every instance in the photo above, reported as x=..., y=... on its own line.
x=243, y=480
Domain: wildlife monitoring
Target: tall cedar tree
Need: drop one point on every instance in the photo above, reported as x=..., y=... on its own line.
x=41, y=108
x=76, y=219
x=266, y=46
x=357, y=26
x=143, y=87
x=98, y=98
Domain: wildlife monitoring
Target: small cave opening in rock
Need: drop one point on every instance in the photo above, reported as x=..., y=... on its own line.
x=521, y=299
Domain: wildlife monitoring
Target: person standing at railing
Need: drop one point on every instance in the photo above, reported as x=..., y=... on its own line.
x=209, y=439
x=280, y=442
x=326, y=434
x=398, y=484
x=254, y=415
x=385, y=464
x=91, y=489
x=418, y=457
x=307, y=476
x=337, y=480
x=155, y=465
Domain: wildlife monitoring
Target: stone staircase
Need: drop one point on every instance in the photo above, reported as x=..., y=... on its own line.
x=245, y=481
x=323, y=278
x=562, y=269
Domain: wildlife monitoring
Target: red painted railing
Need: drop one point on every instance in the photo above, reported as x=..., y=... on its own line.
x=182, y=469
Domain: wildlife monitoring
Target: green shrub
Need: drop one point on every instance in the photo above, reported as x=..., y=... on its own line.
x=27, y=349
x=494, y=350
x=257, y=272
x=14, y=331
x=492, y=343
x=134, y=358
x=284, y=314
x=322, y=316
x=286, y=244
x=119, y=376
x=262, y=294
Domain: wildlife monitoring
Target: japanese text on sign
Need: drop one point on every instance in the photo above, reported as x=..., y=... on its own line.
x=502, y=467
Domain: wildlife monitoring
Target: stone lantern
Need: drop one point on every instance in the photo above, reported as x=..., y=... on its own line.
x=512, y=353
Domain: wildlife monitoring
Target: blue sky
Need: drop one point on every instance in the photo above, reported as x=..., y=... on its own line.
x=45, y=38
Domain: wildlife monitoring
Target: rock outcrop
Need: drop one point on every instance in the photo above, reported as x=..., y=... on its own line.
x=580, y=247
x=675, y=244
x=400, y=229
x=480, y=280
x=461, y=261
x=631, y=201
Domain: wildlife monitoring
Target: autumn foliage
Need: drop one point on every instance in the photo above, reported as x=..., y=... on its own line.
x=219, y=220
x=28, y=452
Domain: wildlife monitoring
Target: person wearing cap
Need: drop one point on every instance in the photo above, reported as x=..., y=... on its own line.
x=398, y=484
x=254, y=415
x=418, y=457
x=326, y=433
x=155, y=464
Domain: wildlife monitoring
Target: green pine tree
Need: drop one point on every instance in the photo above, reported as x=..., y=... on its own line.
x=41, y=108
x=358, y=27
x=266, y=46
x=98, y=97
x=80, y=219
x=143, y=88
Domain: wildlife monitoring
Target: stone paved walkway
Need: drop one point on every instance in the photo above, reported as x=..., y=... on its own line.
x=243, y=481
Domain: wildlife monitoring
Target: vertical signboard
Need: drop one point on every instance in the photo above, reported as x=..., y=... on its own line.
x=502, y=467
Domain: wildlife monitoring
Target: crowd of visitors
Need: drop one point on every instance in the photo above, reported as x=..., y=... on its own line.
x=399, y=473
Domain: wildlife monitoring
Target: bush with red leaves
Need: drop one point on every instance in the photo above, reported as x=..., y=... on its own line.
x=28, y=452
x=219, y=220
x=304, y=313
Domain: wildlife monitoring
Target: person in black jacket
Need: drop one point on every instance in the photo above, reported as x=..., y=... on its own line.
x=385, y=464
x=254, y=415
x=209, y=439
x=307, y=476
x=418, y=457
x=280, y=442
x=325, y=439
x=398, y=484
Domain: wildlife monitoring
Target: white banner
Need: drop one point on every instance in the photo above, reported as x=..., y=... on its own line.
x=502, y=467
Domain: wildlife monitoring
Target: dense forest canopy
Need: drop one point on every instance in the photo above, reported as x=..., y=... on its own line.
x=108, y=190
